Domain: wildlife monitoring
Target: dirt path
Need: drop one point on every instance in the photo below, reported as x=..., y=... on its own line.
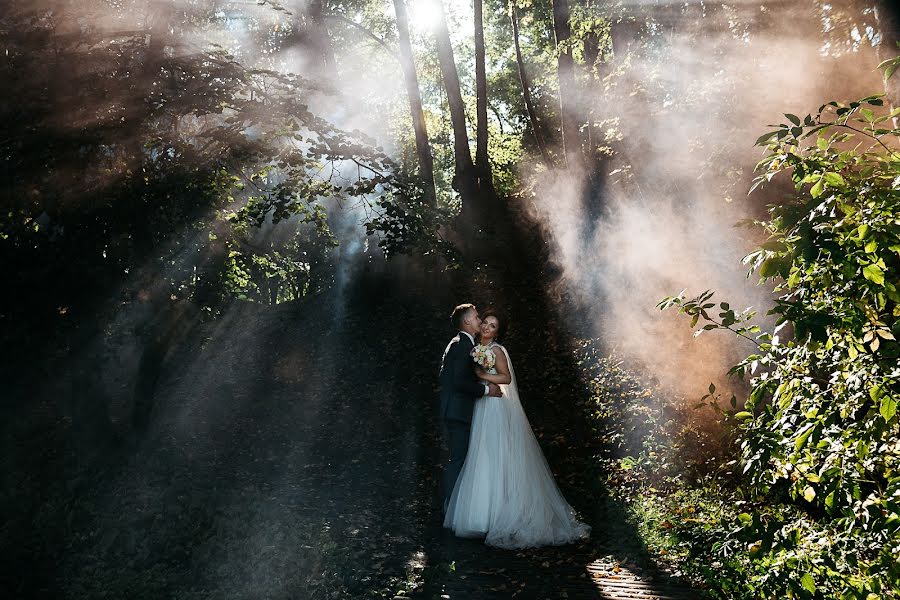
x=613, y=563
x=293, y=454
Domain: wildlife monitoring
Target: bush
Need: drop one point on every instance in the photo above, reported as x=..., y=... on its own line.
x=819, y=430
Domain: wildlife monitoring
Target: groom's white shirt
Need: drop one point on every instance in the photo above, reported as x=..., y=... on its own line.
x=487, y=388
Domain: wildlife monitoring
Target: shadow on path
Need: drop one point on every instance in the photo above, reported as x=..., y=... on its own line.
x=293, y=454
x=613, y=563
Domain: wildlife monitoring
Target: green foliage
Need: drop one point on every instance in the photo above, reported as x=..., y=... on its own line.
x=655, y=439
x=819, y=429
x=192, y=171
x=890, y=66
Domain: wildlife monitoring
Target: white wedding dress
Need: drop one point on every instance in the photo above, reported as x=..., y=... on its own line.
x=505, y=491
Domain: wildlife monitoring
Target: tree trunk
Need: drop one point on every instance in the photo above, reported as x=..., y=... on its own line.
x=464, y=178
x=482, y=163
x=526, y=89
x=624, y=35
x=591, y=94
x=423, y=147
x=320, y=39
x=568, y=93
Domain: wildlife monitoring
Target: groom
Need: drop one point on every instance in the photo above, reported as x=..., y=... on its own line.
x=460, y=388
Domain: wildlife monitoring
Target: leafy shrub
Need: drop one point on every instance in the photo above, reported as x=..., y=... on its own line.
x=820, y=429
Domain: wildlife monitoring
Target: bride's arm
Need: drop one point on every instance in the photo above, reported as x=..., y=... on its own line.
x=502, y=367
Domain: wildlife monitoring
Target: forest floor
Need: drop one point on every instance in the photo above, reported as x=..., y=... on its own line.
x=293, y=454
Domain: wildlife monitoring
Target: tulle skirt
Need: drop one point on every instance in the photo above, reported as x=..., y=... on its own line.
x=506, y=491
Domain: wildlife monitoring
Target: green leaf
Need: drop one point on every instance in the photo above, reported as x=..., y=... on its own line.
x=804, y=435
x=769, y=267
x=871, y=247
x=888, y=407
x=809, y=493
x=834, y=179
x=816, y=190
x=743, y=415
x=813, y=130
x=874, y=274
x=793, y=118
x=890, y=66
x=766, y=138
x=808, y=583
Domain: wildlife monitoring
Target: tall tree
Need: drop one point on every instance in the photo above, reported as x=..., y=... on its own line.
x=482, y=163
x=423, y=147
x=464, y=180
x=592, y=38
x=568, y=94
x=526, y=89
x=320, y=40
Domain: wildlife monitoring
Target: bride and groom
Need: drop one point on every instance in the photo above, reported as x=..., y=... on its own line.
x=497, y=483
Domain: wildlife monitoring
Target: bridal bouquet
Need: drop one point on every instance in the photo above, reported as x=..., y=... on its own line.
x=484, y=357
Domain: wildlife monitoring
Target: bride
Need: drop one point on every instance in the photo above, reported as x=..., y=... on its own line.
x=506, y=491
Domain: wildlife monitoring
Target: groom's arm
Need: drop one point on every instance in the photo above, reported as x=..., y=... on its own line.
x=462, y=374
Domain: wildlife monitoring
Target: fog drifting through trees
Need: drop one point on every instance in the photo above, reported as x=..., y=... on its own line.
x=681, y=119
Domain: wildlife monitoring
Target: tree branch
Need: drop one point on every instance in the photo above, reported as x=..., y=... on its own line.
x=380, y=41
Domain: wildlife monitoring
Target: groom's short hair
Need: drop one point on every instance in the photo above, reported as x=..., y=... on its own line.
x=459, y=313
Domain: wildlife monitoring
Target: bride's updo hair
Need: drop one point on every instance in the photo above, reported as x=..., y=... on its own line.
x=501, y=322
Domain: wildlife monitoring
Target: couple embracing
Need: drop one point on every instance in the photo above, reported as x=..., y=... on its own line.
x=497, y=483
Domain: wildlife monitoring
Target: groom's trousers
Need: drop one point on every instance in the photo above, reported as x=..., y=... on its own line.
x=457, y=435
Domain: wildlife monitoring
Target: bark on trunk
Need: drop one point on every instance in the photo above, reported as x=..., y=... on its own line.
x=464, y=177
x=482, y=163
x=423, y=147
x=320, y=38
x=568, y=93
x=526, y=90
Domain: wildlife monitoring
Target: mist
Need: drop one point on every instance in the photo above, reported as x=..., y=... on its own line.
x=687, y=107
x=224, y=385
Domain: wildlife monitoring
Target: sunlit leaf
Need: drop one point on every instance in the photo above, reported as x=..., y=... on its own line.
x=888, y=407
x=874, y=274
x=807, y=581
x=816, y=190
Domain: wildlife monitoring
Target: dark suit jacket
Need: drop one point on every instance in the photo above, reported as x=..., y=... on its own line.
x=460, y=386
